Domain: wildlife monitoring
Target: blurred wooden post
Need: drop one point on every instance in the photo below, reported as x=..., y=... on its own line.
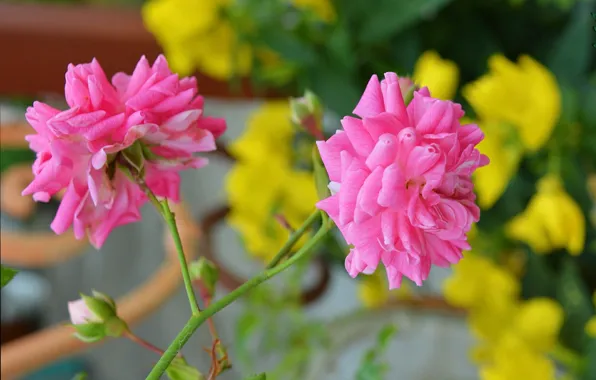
x=38, y=41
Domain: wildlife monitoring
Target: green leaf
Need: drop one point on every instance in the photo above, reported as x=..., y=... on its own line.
x=80, y=376
x=575, y=299
x=371, y=367
x=260, y=376
x=289, y=46
x=134, y=156
x=385, y=336
x=179, y=369
x=321, y=176
x=391, y=17
x=205, y=271
x=7, y=275
x=570, y=57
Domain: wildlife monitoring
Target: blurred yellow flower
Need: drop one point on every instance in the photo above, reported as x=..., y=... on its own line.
x=322, y=8
x=263, y=182
x=268, y=131
x=478, y=282
x=512, y=359
x=552, y=220
x=491, y=180
x=373, y=290
x=538, y=322
x=440, y=75
x=535, y=324
x=525, y=95
x=194, y=35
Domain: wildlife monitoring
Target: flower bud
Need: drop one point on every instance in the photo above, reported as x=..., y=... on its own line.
x=80, y=313
x=307, y=113
x=100, y=309
x=206, y=272
x=94, y=317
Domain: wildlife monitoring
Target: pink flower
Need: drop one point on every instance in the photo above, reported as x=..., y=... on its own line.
x=401, y=182
x=80, y=313
x=150, y=123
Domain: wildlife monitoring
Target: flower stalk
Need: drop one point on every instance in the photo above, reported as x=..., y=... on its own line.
x=197, y=320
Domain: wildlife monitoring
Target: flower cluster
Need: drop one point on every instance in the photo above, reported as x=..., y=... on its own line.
x=518, y=106
x=514, y=335
x=401, y=177
x=264, y=182
x=139, y=129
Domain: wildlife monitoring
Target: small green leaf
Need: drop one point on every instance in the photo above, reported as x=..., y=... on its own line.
x=206, y=272
x=7, y=275
x=179, y=369
x=134, y=156
x=321, y=176
x=385, y=336
x=372, y=367
x=80, y=376
x=260, y=376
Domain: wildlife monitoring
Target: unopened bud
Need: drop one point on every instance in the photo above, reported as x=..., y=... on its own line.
x=94, y=317
x=307, y=113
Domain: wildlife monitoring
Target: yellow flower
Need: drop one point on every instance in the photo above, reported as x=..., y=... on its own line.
x=535, y=323
x=512, y=359
x=538, y=322
x=525, y=95
x=322, y=8
x=552, y=220
x=478, y=282
x=439, y=75
x=194, y=36
x=263, y=183
x=490, y=182
x=373, y=290
x=268, y=131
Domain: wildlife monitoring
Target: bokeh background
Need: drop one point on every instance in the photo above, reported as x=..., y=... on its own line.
x=519, y=306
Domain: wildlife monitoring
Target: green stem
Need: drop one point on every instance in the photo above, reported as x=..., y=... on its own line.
x=285, y=249
x=164, y=210
x=197, y=320
x=143, y=343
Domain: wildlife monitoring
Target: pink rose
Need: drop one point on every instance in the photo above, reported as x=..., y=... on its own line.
x=150, y=124
x=401, y=181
